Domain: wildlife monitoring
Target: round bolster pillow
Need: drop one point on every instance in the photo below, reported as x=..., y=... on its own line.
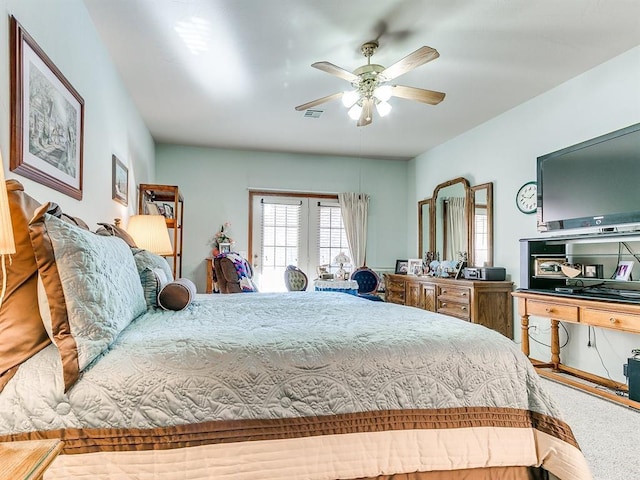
x=177, y=295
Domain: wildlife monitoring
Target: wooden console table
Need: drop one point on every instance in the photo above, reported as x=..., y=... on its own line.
x=614, y=315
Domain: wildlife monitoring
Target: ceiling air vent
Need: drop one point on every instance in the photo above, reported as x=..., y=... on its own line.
x=313, y=113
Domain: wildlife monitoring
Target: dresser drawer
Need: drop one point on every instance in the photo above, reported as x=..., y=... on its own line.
x=454, y=294
x=552, y=310
x=608, y=319
x=454, y=308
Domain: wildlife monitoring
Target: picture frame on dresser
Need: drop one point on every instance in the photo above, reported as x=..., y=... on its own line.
x=414, y=266
x=402, y=267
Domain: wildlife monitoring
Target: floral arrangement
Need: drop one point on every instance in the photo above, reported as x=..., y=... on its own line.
x=222, y=236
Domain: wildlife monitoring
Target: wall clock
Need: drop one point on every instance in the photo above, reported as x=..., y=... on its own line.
x=527, y=197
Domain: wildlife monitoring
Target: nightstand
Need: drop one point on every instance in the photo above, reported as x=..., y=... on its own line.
x=27, y=460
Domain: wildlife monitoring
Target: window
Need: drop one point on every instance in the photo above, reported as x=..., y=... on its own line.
x=301, y=230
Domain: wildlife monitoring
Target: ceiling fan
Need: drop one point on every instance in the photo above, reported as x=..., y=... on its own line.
x=371, y=84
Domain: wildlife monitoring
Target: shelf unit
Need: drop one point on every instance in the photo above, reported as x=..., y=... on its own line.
x=606, y=249
x=167, y=201
x=614, y=305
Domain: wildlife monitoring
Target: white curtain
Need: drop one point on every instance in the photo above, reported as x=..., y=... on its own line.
x=456, y=227
x=354, y=208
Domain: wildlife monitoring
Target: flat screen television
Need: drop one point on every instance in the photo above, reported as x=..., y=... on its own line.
x=594, y=184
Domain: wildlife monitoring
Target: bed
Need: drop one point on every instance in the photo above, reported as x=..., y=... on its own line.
x=297, y=385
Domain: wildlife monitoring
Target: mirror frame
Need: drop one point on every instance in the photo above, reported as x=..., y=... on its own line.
x=489, y=204
x=470, y=193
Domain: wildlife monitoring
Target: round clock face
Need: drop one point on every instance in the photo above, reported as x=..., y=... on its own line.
x=527, y=197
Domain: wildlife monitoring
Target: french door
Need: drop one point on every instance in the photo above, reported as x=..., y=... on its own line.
x=293, y=229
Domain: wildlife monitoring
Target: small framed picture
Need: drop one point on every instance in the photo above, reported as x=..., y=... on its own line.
x=168, y=210
x=402, y=266
x=414, y=266
x=623, y=272
x=119, y=181
x=224, y=247
x=550, y=267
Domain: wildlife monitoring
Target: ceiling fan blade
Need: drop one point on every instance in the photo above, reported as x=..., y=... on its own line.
x=419, y=94
x=411, y=61
x=306, y=106
x=367, y=113
x=335, y=70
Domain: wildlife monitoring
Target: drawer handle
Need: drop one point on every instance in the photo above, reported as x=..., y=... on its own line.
x=464, y=309
x=549, y=310
x=444, y=292
x=613, y=320
x=443, y=304
x=464, y=294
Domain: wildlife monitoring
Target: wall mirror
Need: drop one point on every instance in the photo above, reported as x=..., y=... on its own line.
x=458, y=218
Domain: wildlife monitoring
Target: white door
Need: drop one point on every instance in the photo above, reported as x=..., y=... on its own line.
x=299, y=230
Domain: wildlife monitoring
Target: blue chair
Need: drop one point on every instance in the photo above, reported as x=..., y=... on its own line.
x=368, y=282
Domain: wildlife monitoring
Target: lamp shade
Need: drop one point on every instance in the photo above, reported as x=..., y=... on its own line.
x=341, y=258
x=7, y=244
x=150, y=232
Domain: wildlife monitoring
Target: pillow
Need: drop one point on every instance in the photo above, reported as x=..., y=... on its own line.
x=107, y=229
x=92, y=287
x=154, y=272
x=177, y=295
x=55, y=210
x=21, y=331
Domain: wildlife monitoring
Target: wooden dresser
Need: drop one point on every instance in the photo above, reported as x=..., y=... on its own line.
x=483, y=302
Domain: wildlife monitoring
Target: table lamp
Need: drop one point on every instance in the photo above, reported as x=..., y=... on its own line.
x=150, y=233
x=341, y=259
x=7, y=243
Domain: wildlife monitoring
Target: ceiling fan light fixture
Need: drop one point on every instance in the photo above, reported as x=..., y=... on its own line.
x=383, y=108
x=355, y=112
x=383, y=93
x=349, y=98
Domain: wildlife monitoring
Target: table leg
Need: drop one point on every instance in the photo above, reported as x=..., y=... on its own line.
x=524, y=334
x=555, y=343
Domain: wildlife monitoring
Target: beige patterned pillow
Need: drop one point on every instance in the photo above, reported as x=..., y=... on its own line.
x=92, y=287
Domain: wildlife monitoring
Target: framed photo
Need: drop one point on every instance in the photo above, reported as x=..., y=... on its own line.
x=224, y=247
x=550, y=267
x=623, y=272
x=414, y=266
x=152, y=209
x=402, y=266
x=47, y=116
x=168, y=210
x=119, y=181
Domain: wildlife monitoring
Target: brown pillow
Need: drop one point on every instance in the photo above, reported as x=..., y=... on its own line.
x=22, y=333
x=108, y=229
x=177, y=295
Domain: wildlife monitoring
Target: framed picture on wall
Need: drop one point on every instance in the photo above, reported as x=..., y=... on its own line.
x=47, y=116
x=119, y=181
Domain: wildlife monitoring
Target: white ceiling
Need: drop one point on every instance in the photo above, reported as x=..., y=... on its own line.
x=240, y=92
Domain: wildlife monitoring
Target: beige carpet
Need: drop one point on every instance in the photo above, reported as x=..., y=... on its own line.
x=608, y=433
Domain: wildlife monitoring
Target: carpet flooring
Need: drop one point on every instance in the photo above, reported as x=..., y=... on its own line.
x=608, y=433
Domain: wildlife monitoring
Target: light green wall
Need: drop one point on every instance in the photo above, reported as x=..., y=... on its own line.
x=504, y=151
x=112, y=125
x=215, y=186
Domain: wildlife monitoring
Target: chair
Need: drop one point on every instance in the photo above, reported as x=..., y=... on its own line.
x=233, y=274
x=368, y=282
x=295, y=279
